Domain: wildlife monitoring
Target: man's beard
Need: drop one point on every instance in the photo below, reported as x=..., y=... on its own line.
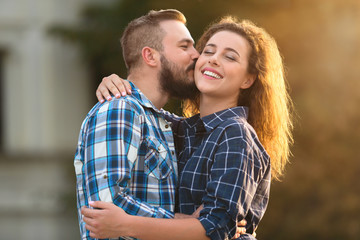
x=175, y=81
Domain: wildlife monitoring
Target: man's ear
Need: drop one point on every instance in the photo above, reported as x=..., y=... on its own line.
x=150, y=56
x=250, y=79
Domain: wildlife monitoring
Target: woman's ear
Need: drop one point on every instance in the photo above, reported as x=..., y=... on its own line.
x=250, y=79
x=150, y=56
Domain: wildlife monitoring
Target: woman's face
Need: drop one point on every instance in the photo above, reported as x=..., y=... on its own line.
x=221, y=70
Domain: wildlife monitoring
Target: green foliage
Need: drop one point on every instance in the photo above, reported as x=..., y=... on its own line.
x=98, y=33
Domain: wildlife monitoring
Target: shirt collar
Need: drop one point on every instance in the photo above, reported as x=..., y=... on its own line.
x=142, y=99
x=213, y=120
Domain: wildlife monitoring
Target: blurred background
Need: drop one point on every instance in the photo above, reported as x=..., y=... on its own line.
x=54, y=53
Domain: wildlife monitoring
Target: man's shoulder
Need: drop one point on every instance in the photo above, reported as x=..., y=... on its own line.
x=122, y=104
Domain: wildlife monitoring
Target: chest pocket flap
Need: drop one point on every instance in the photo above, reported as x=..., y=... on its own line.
x=157, y=162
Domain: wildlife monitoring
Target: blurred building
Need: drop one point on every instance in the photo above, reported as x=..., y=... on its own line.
x=40, y=77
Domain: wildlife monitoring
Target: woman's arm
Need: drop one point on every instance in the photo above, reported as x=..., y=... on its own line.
x=156, y=228
x=111, y=221
x=239, y=182
x=118, y=87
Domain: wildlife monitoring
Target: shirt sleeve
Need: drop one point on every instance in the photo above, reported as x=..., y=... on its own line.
x=112, y=143
x=232, y=184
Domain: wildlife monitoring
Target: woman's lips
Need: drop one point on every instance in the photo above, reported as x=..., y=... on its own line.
x=211, y=73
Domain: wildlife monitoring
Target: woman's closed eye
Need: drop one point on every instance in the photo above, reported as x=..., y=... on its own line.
x=208, y=52
x=230, y=58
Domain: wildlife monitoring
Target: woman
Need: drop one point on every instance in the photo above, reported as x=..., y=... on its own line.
x=241, y=121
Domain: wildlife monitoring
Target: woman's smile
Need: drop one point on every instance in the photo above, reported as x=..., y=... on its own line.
x=211, y=73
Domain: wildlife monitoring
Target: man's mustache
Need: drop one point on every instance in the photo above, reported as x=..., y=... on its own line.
x=191, y=66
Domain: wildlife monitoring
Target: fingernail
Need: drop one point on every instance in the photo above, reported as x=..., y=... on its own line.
x=123, y=93
x=108, y=98
x=91, y=202
x=129, y=91
x=102, y=100
x=117, y=95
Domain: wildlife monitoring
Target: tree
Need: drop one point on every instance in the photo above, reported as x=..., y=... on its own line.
x=98, y=33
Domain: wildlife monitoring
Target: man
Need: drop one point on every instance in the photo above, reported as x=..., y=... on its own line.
x=125, y=152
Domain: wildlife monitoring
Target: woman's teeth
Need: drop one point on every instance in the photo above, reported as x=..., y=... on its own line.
x=212, y=74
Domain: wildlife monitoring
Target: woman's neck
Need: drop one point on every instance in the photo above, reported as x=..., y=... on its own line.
x=210, y=105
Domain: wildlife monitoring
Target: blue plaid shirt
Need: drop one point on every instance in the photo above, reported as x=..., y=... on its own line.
x=126, y=155
x=222, y=165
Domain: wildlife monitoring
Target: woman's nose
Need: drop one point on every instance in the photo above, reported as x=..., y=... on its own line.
x=213, y=60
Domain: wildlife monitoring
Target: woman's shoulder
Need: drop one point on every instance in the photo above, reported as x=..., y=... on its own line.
x=239, y=129
x=236, y=125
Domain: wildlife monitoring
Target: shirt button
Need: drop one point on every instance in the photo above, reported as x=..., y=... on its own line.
x=172, y=152
x=166, y=126
x=105, y=177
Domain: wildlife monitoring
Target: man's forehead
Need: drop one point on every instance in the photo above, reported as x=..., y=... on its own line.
x=186, y=40
x=176, y=31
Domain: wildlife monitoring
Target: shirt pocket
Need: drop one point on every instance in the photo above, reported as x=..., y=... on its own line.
x=157, y=162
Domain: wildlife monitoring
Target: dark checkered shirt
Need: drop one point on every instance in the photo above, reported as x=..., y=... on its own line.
x=222, y=165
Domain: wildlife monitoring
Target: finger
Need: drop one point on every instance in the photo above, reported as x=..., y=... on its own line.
x=196, y=214
x=127, y=86
x=115, y=83
x=99, y=96
x=88, y=221
x=237, y=235
x=92, y=230
x=242, y=223
x=94, y=235
x=84, y=210
x=254, y=233
x=240, y=230
x=98, y=235
x=100, y=204
x=104, y=91
x=91, y=225
x=117, y=91
x=88, y=212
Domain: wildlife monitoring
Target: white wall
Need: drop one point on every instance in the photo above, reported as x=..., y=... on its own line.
x=46, y=93
x=45, y=96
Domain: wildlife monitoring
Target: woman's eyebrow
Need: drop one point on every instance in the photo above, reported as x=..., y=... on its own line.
x=210, y=45
x=232, y=50
x=227, y=49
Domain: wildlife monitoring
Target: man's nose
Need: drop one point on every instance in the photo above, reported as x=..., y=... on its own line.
x=194, y=54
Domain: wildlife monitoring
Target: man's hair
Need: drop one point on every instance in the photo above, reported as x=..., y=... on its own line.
x=145, y=31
